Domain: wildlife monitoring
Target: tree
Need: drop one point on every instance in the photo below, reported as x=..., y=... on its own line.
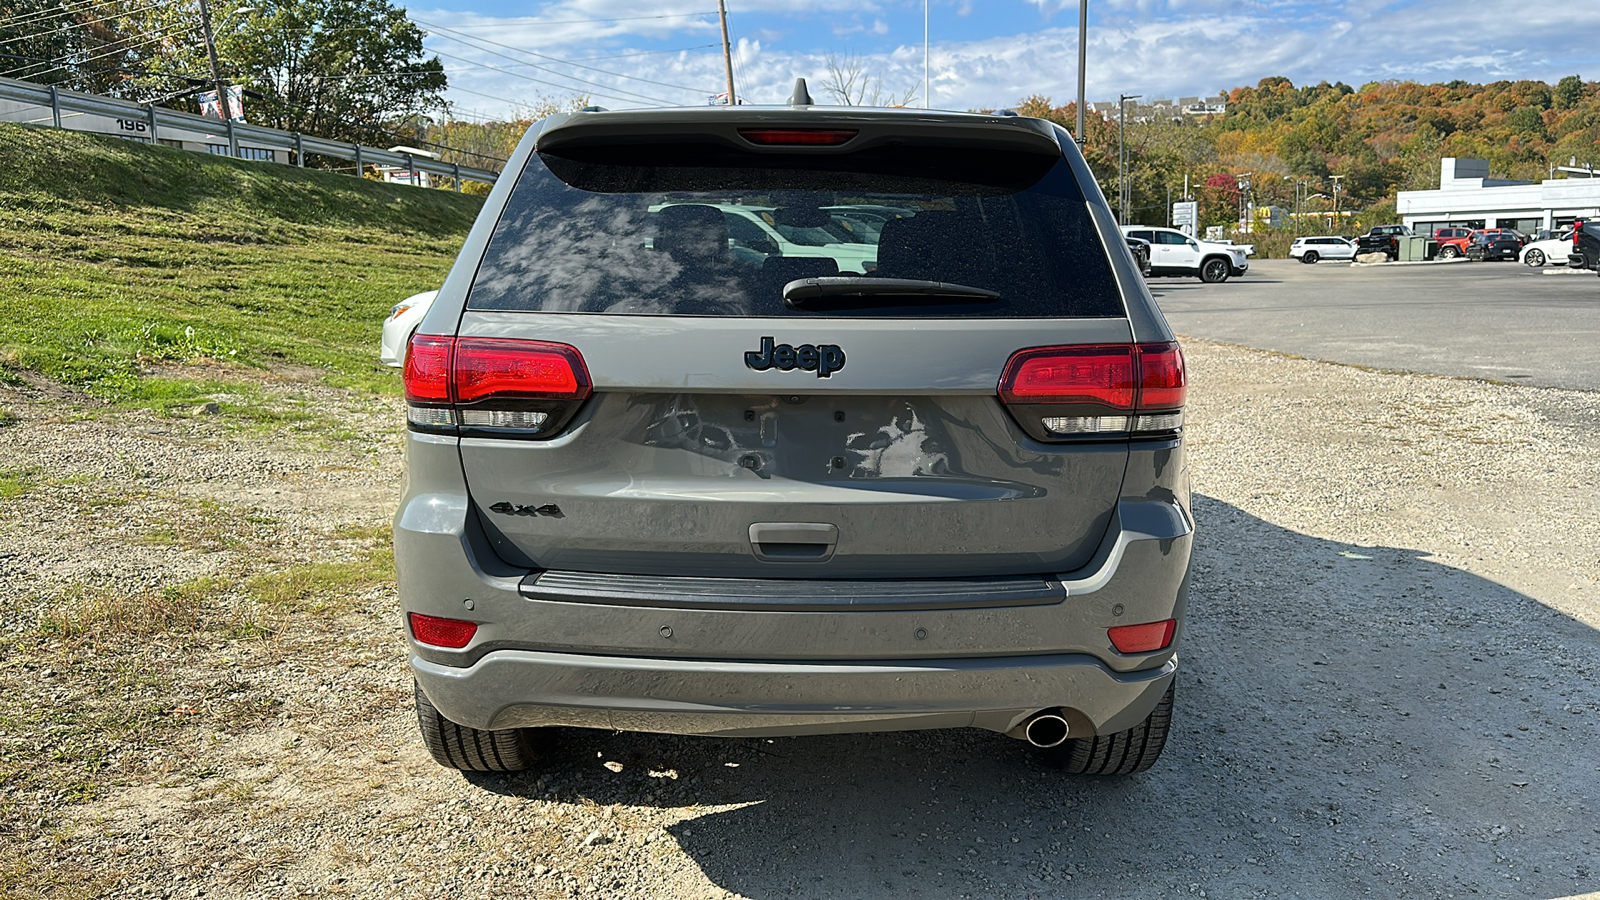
x=850, y=83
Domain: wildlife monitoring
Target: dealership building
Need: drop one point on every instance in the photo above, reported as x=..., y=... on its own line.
x=1469, y=198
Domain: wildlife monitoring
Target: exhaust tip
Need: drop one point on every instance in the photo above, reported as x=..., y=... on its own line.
x=1046, y=730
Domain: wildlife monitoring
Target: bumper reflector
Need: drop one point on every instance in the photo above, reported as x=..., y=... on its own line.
x=451, y=633
x=1145, y=638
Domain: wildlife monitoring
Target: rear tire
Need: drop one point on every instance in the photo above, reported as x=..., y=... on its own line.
x=470, y=749
x=1214, y=271
x=1450, y=252
x=1534, y=258
x=1124, y=753
x=1310, y=257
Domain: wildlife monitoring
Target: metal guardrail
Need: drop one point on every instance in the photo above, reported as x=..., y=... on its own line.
x=156, y=119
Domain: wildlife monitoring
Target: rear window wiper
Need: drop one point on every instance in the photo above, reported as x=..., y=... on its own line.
x=838, y=290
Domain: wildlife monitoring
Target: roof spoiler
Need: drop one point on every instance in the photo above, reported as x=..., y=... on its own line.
x=723, y=126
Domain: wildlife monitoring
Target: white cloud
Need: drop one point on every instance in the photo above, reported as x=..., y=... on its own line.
x=1158, y=48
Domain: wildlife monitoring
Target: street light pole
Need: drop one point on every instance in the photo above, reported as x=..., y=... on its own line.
x=1083, y=60
x=1335, y=180
x=1122, y=157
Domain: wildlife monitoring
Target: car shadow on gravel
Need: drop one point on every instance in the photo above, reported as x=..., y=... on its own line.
x=1351, y=720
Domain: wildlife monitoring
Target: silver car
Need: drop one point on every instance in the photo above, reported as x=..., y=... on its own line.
x=658, y=485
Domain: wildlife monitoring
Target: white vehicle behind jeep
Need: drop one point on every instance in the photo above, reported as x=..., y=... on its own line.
x=1174, y=253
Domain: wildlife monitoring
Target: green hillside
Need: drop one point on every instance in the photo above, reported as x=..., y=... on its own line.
x=157, y=277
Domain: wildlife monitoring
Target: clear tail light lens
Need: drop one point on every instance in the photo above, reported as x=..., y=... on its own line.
x=493, y=386
x=1096, y=390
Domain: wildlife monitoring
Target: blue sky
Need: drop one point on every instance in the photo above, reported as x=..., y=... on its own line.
x=987, y=53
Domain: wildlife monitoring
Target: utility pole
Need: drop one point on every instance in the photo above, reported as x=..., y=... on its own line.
x=1083, y=57
x=216, y=68
x=1123, y=194
x=927, y=95
x=727, y=50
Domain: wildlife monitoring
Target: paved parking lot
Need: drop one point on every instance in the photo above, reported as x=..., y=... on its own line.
x=1501, y=321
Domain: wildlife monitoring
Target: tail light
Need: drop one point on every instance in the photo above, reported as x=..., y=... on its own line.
x=1577, y=230
x=493, y=386
x=1096, y=390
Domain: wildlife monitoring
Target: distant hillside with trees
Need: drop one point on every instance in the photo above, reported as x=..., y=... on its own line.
x=1383, y=137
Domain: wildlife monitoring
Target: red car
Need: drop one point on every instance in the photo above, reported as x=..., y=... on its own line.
x=1452, y=242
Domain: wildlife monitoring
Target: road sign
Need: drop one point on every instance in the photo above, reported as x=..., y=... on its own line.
x=1186, y=216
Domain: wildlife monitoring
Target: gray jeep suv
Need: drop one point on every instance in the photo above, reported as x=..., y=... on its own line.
x=663, y=477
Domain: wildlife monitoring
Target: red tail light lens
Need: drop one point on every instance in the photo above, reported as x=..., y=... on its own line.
x=1163, y=383
x=797, y=137
x=486, y=368
x=494, y=386
x=427, y=372
x=1146, y=638
x=1101, y=374
x=451, y=633
x=1091, y=390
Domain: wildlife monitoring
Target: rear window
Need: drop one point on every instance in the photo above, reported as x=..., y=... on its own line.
x=691, y=230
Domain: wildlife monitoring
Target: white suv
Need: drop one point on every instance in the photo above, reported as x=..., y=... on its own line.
x=1174, y=253
x=1311, y=249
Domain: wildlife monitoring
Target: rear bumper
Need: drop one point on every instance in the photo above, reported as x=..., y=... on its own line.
x=520, y=689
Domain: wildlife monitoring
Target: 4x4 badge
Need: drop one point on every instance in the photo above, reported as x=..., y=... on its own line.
x=824, y=359
x=518, y=509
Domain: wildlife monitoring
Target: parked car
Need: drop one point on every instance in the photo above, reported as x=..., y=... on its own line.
x=1383, y=239
x=1552, y=251
x=397, y=328
x=651, y=490
x=1312, y=249
x=1174, y=253
x=795, y=233
x=1141, y=254
x=1585, y=253
x=1451, y=242
x=1486, y=245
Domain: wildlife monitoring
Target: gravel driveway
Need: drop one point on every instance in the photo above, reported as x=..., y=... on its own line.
x=1388, y=684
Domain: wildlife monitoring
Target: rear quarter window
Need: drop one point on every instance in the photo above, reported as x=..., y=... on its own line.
x=720, y=234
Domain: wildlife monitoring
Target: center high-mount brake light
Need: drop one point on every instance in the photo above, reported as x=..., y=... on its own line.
x=797, y=137
x=1096, y=390
x=493, y=386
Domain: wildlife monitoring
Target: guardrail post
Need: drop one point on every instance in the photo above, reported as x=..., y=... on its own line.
x=233, y=141
x=411, y=170
x=456, y=167
x=150, y=112
x=299, y=151
x=360, y=166
x=55, y=105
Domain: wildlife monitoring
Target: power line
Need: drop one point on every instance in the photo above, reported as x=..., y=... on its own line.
x=564, y=87
x=535, y=20
x=56, y=28
x=644, y=53
x=79, y=62
x=27, y=19
x=559, y=60
x=636, y=96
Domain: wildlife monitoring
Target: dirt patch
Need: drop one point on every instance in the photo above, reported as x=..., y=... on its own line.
x=1387, y=686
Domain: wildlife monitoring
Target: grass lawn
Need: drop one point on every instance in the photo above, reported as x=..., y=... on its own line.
x=155, y=277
